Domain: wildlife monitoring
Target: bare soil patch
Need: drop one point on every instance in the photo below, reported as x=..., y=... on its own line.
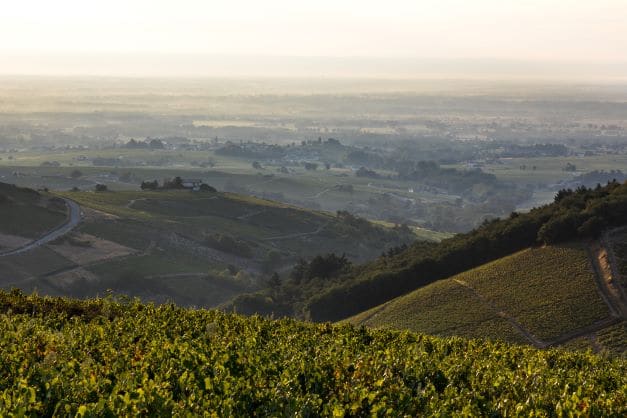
x=85, y=249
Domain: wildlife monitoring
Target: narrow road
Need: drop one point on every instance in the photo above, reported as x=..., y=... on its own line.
x=317, y=195
x=74, y=218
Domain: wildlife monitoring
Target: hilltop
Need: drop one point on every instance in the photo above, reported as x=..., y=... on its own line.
x=102, y=357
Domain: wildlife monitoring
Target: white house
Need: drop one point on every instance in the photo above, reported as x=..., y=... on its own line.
x=193, y=184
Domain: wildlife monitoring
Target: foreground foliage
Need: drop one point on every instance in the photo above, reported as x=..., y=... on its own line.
x=66, y=357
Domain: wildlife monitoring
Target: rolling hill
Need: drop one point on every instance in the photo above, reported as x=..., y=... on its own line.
x=91, y=358
x=192, y=248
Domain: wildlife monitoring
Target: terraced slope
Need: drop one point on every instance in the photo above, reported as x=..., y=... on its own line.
x=543, y=296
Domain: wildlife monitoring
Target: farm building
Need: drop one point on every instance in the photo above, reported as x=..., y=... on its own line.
x=193, y=184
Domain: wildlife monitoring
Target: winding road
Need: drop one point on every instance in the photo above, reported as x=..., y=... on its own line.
x=74, y=218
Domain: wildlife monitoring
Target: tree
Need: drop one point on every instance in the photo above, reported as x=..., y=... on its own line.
x=364, y=172
x=274, y=281
x=321, y=266
x=101, y=188
x=175, y=183
x=156, y=144
x=206, y=188
x=257, y=166
x=311, y=166
x=150, y=185
x=76, y=174
x=569, y=167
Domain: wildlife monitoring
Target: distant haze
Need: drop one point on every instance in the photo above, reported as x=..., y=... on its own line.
x=570, y=39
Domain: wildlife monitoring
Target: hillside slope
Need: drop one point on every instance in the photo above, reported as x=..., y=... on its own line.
x=579, y=214
x=102, y=358
x=543, y=296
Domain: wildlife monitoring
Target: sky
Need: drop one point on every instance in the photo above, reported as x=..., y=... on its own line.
x=39, y=36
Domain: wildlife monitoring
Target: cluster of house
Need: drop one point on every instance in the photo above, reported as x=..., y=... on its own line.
x=192, y=184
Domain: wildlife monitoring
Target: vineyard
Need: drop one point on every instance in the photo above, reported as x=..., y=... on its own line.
x=102, y=357
x=443, y=308
x=548, y=292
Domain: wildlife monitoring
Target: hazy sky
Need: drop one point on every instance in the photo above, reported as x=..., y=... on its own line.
x=536, y=30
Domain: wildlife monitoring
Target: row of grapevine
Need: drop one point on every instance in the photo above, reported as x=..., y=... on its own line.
x=107, y=358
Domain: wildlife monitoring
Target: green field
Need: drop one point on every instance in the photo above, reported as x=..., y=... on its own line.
x=549, y=291
x=102, y=358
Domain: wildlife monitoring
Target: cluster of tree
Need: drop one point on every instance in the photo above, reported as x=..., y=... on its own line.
x=286, y=297
x=574, y=214
x=175, y=183
x=364, y=172
x=569, y=167
x=50, y=164
x=310, y=166
x=320, y=267
x=228, y=244
x=147, y=144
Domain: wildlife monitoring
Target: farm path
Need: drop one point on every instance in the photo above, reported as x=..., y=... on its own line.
x=536, y=342
x=606, y=280
x=525, y=333
x=297, y=235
